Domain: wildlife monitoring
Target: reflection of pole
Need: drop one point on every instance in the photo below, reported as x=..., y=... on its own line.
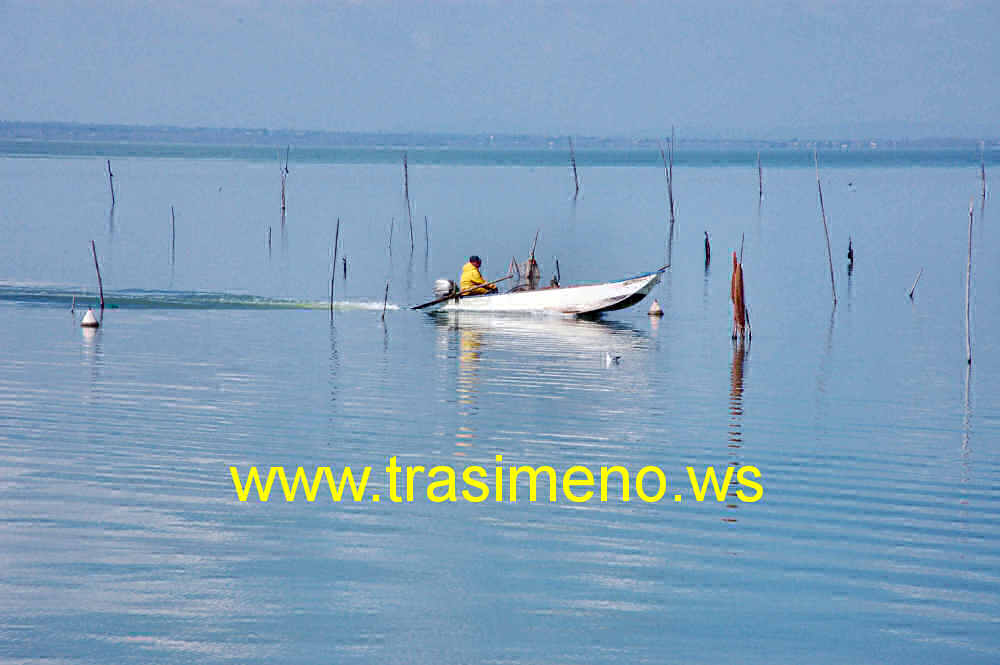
x=736, y=392
x=968, y=282
x=966, y=449
x=735, y=419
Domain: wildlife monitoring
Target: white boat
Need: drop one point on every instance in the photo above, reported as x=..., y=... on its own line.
x=582, y=300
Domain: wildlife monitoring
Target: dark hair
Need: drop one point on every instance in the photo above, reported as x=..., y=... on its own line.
x=474, y=259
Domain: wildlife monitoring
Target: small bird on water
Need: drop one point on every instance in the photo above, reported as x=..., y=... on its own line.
x=610, y=360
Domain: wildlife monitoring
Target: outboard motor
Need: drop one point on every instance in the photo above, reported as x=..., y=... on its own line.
x=444, y=287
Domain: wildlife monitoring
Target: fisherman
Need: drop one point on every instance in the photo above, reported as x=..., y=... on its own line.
x=471, y=278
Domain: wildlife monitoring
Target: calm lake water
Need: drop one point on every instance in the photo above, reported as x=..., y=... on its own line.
x=121, y=537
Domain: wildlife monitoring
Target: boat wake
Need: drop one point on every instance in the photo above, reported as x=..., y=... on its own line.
x=62, y=296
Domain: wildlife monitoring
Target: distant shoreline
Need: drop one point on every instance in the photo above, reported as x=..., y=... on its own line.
x=261, y=138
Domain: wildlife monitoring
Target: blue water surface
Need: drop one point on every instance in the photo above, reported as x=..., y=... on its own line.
x=121, y=536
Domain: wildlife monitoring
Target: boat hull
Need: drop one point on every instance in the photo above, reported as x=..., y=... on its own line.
x=583, y=300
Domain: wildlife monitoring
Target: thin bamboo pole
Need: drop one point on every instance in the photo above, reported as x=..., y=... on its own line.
x=826, y=229
x=111, y=182
x=100, y=284
x=173, y=236
x=914, y=287
x=333, y=272
x=284, y=178
x=572, y=160
x=670, y=178
x=385, y=301
x=982, y=167
x=406, y=190
x=666, y=167
x=760, y=179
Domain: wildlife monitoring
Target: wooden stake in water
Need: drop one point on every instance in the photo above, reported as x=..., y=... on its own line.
x=572, y=160
x=736, y=295
x=427, y=237
x=968, y=293
x=409, y=208
x=760, y=179
x=826, y=229
x=269, y=242
x=385, y=302
x=914, y=287
x=111, y=182
x=333, y=272
x=708, y=250
x=982, y=167
x=173, y=236
x=284, y=177
x=100, y=284
x=670, y=178
x=392, y=225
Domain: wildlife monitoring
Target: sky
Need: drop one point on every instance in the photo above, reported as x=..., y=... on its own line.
x=750, y=69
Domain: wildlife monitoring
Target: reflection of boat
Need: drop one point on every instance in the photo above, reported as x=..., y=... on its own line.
x=546, y=335
x=586, y=299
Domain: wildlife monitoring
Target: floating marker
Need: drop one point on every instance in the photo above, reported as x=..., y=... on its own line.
x=655, y=309
x=89, y=320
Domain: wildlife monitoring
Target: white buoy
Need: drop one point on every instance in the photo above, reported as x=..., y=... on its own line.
x=89, y=320
x=655, y=309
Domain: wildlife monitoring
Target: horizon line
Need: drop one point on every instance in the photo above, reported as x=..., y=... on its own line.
x=992, y=142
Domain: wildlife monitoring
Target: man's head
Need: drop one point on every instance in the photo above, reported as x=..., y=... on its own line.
x=474, y=260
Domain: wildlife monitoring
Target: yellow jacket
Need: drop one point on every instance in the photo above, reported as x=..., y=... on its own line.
x=470, y=278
